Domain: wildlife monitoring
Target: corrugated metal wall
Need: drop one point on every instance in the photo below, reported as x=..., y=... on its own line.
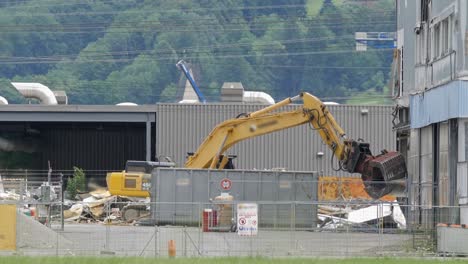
x=98, y=146
x=182, y=128
x=439, y=104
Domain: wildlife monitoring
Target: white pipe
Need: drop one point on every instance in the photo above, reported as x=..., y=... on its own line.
x=3, y=101
x=127, y=104
x=257, y=97
x=37, y=91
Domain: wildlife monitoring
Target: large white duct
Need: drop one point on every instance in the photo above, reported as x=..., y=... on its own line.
x=3, y=101
x=257, y=97
x=37, y=91
x=126, y=104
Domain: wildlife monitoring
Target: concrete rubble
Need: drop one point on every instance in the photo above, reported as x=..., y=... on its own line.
x=101, y=207
x=361, y=216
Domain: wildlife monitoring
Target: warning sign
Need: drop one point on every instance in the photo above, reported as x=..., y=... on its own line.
x=226, y=184
x=247, y=219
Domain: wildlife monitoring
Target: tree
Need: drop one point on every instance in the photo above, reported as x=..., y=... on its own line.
x=76, y=184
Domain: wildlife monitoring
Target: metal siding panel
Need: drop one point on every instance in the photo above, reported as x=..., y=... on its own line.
x=439, y=104
x=182, y=128
x=427, y=166
x=91, y=148
x=444, y=181
x=414, y=175
x=462, y=182
x=462, y=99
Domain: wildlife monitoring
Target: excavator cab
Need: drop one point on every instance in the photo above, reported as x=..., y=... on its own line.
x=135, y=180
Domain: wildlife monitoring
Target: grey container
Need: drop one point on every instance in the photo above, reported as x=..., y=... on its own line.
x=285, y=198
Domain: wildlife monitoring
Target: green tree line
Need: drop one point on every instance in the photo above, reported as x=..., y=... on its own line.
x=110, y=51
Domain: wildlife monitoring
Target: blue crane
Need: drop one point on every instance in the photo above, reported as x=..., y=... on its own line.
x=181, y=65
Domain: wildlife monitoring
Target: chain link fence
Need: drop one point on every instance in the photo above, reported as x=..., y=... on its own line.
x=335, y=228
x=283, y=230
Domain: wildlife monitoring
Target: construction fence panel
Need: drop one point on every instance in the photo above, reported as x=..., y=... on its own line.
x=343, y=229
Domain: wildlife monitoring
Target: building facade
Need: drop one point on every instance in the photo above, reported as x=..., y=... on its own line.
x=430, y=90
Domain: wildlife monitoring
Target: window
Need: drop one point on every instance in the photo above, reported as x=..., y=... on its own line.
x=445, y=33
x=436, y=41
x=421, y=50
x=441, y=38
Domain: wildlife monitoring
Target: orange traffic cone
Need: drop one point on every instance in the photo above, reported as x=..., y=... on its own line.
x=172, y=248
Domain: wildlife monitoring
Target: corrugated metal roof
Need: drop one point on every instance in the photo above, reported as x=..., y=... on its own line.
x=439, y=104
x=182, y=128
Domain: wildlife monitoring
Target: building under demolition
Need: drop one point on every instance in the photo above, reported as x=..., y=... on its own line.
x=431, y=90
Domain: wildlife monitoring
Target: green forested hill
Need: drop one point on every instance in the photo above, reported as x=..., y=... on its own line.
x=109, y=51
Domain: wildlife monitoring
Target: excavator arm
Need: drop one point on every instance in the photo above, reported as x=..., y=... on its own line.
x=262, y=122
x=355, y=157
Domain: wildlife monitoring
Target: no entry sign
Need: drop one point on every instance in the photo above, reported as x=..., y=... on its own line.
x=226, y=184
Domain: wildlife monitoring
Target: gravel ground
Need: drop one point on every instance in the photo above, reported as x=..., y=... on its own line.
x=98, y=239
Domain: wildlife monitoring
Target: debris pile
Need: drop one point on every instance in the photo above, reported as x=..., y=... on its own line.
x=19, y=191
x=101, y=207
x=361, y=216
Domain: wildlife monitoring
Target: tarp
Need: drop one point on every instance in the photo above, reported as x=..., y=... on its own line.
x=7, y=227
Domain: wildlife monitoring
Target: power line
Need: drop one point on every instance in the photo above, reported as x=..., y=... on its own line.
x=130, y=29
x=182, y=49
x=182, y=9
x=85, y=60
x=191, y=21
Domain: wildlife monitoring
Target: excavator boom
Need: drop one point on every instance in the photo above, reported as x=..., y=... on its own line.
x=377, y=172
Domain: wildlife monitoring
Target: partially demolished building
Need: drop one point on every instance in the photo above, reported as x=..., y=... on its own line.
x=430, y=89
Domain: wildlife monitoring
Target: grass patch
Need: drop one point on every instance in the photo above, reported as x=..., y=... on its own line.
x=128, y=260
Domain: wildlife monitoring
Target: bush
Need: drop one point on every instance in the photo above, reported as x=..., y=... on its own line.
x=77, y=183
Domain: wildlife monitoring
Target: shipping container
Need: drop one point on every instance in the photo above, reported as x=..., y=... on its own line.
x=182, y=194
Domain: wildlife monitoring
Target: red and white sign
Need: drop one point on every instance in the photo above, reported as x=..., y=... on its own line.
x=242, y=221
x=247, y=219
x=226, y=184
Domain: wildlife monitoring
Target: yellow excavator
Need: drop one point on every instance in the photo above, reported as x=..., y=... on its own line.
x=377, y=172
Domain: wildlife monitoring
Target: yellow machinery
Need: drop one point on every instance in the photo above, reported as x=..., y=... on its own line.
x=377, y=172
x=135, y=180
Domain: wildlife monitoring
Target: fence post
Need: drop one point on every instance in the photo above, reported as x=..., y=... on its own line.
x=107, y=241
x=200, y=219
x=291, y=229
x=156, y=254
x=381, y=226
x=184, y=239
x=57, y=245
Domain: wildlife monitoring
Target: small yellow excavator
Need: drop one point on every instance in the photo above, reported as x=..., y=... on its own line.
x=377, y=172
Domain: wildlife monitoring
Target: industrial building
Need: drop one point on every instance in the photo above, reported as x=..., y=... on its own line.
x=99, y=139
x=430, y=89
